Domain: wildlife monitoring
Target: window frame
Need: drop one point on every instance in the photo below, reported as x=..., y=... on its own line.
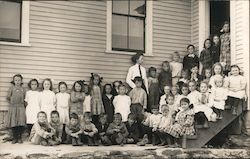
x=147, y=33
x=24, y=29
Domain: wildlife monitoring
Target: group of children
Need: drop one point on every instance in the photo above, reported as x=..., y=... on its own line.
x=157, y=109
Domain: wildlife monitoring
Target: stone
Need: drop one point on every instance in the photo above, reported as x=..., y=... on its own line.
x=76, y=155
x=239, y=141
x=141, y=153
x=38, y=156
x=171, y=152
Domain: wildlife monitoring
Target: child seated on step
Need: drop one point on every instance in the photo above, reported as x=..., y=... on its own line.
x=133, y=129
x=89, y=130
x=218, y=96
x=42, y=133
x=164, y=126
x=195, y=76
x=184, y=122
x=184, y=94
x=56, y=125
x=150, y=125
x=74, y=130
x=117, y=130
x=102, y=127
x=163, y=99
x=194, y=94
x=203, y=108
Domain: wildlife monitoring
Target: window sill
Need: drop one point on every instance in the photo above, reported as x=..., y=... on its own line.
x=124, y=53
x=15, y=44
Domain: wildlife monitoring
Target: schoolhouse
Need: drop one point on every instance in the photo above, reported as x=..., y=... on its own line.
x=68, y=40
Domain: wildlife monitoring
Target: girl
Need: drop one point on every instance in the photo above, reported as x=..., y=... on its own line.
x=137, y=70
x=206, y=56
x=96, y=101
x=48, y=97
x=190, y=59
x=115, y=87
x=76, y=99
x=175, y=67
x=165, y=76
x=122, y=103
x=236, y=88
x=193, y=95
x=62, y=104
x=167, y=91
x=215, y=50
x=184, y=76
x=32, y=98
x=16, y=112
x=219, y=96
x=184, y=94
x=217, y=70
x=184, y=121
x=225, y=54
x=153, y=85
x=175, y=93
x=107, y=99
x=195, y=74
x=207, y=75
x=87, y=99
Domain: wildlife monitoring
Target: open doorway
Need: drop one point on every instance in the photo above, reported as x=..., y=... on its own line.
x=219, y=13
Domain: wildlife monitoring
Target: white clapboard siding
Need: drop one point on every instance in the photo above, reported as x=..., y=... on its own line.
x=68, y=42
x=195, y=23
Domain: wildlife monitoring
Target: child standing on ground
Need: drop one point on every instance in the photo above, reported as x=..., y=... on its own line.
x=62, y=102
x=74, y=130
x=96, y=93
x=89, y=130
x=16, y=112
x=225, y=52
x=117, y=130
x=175, y=67
x=206, y=56
x=32, y=98
x=190, y=59
x=215, y=49
x=153, y=84
x=236, y=88
x=219, y=96
x=165, y=76
x=57, y=126
x=184, y=121
x=77, y=97
x=47, y=97
x=122, y=103
x=87, y=99
x=107, y=99
x=138, y=95
x=116, y=87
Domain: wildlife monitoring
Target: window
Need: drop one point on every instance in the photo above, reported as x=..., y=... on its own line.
x=14, y=22
x=129, y=26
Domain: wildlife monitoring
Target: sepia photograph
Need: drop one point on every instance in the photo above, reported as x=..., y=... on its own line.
x=124, y=79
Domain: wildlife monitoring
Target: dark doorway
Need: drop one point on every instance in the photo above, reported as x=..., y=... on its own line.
x=219, y=13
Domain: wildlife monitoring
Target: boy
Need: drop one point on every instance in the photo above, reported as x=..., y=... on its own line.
x=56, y=125
x=89, y=130
x=117, y=130
x=41, y=132
x=194, y=76
x=73, y=130
x=102, y=127
x=133, y=130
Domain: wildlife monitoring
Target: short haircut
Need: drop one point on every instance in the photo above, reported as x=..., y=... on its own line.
x=103, y=115
x=138, y=78
x=16, y=75
x=87, y=115
x=122, y=85
x=164, y=106
x=235, y=66
x=136, y=57
x=33, y=80
x=73, y=116
x=190, y=45
x=118, y=115
x=54, y=112
x=185, y=100
x=41, y=112
x=131, y=116
x=165, y=63
x=176, y=53
x=151, y=69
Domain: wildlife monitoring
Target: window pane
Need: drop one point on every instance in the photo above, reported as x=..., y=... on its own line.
x=10, y=21
x=136, y=33
x=120, y=6
x=137, y=8
x=119, y=32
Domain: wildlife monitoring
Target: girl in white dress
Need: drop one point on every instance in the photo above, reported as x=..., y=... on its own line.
x=62, y=102
x=122, y=103
x=32, y=99
x=48, y=98
x=217, y=71
x=218, y=96
x=175, y=67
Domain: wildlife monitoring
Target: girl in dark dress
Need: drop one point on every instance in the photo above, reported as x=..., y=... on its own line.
x=107, y=99
x=215, y=50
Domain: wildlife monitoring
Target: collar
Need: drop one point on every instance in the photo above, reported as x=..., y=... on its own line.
x=191, y=55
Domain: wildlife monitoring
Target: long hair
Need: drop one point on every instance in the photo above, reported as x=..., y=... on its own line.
x=47, y=79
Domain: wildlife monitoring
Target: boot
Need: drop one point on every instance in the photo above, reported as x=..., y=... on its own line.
x=74, y=143
x=90, y=141
x=78, y=141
